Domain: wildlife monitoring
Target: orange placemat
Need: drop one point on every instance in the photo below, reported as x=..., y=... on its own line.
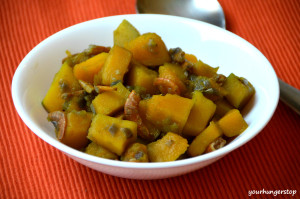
x=30, y=168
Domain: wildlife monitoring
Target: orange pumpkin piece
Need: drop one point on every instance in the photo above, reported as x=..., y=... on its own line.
x=152, y=131
x=136, y=152
x=223, y=106
x=64, y=81
x=201, y=142
x=78, y=123
x=116, y=65
x=112, y=133
x=168, y=113
x=239, y=89
x=233, y=123
x=202, y=69
x=149, y=49
x=110, y=102
x=175, y=73
x=125, y=33
x=201, y=113
x=88, y=69
x=142, y=79
x=99, y=151
x=191, y=58
x=169, y=148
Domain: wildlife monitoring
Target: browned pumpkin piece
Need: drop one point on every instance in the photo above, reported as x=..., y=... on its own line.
x=142, y=78
x=202, y=69
x=239, y=90
x=201, y=142
x=99, y=151
x=110, y=102
x=201, y=113
x=149, y=49
x=175, y=73
x=76, y=103
x=136, y=152
x=112, y=133
x=125, y=33
x=169, y=148
x=223, y=107
x=168, y=113
x=116, y=65
x=233, y=123
x=88, y=69
x=72, y=127
x=63, y=82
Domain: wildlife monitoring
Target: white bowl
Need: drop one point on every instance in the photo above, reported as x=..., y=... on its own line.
x=209, y=43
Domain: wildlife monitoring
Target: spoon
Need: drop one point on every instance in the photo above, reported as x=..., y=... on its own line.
x=210, y=12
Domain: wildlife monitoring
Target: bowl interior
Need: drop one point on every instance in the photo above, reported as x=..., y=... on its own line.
x=211, y=44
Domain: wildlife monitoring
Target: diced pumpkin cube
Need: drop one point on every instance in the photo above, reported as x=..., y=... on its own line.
x=116, y=65
x=152, y=132
x=168, y=113
x=209, y=87
x=191, y=58
x=149, y=49
x=125, y=33
x=201, y=142
x=142, y=78
x=76, y=103
x=223, y=106
x=99, y=151
x=78, y=123
x=169, y=148
x=203, y=69
x=175, y=73
x=88, y=69
x=239, y=90
x=112, y=133
x=201, y=113
x=136, y=152
x=233, y=123
x=110, y=102
x=63, y=82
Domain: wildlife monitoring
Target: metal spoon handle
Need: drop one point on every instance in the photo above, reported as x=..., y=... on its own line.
x=290, y=96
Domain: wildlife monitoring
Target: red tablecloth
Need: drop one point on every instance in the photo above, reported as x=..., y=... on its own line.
x=30, y=168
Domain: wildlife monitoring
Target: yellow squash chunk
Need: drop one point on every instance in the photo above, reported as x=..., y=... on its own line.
x=88, y=69
x=200, y=114
x=125, y=33
x=168, y=113
x=149, y=49
x=201, y=142
x=223, y=107
x=63, y=82
x=99, y=151
x=152, y=132
x=141, y=78
x=76, y=103
x=78, y=123
x=175, y=73
x=239, y=90
x=112, y=133
x=136, y=152
x=191, y=58
x=116, y=65
x=202, y=69
x=233, y=123
x=110, y=102
x=169, y=148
